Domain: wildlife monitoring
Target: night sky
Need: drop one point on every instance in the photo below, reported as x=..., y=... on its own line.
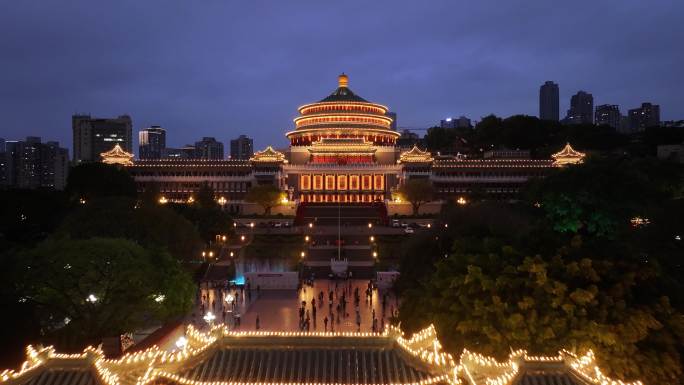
x=220, y=68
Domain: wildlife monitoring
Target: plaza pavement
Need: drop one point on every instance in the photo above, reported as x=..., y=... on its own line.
x=278, y=310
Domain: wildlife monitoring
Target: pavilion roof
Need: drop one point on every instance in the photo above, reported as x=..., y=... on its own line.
x=415, y=155
x=568, y=155
x=117, y=155
x=268, y=155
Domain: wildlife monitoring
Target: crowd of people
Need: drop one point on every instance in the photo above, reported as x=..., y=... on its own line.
x=224, y=301
x=325, y=309
x=341, y=303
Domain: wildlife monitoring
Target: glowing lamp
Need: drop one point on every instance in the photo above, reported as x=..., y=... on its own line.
x=182, y=342
x=209, y=317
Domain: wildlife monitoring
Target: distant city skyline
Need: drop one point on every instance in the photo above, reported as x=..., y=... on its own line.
x=189, y=69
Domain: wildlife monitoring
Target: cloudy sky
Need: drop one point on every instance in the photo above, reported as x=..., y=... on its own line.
x=223, y=68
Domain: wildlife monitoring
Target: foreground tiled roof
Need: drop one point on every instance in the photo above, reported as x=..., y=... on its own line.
x=549, y=378
x=307, y=365
x=78, y=376
x=222, y=357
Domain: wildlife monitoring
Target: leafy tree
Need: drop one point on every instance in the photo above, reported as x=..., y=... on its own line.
x=209, y=222
x=96, y=180
x=601, y=196
x=205, y=197
x=498, y=298
x=151, y=226
x=267, y=196
x=447, y=140
x=150, y=196
x=88, y=289
x=417, y=192
x=542, y=137
x=488, y=130
x=29, y=216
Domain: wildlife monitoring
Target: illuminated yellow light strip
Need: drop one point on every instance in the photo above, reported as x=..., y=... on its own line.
x=423, y=345
x=342, y=118
x=306, y=107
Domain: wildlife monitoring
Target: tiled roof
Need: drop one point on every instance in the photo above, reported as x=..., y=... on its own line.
x=77, y=376
x=548, y=378
x=306, y=365
x=343, y=94
x=223, y=357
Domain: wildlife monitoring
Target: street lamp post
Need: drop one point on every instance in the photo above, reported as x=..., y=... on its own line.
x=209, y=318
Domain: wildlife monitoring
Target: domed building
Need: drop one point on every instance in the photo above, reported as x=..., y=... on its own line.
x=342, y=149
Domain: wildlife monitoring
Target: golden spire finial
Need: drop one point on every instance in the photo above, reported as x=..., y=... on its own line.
x=343, y=80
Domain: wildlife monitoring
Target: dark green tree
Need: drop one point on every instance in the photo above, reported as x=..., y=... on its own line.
x=152, y=226
x=447, y=140
x=267, y=196
x=150, y=196
x=29, y=216
x=96, y=180
x=206, y=198
x=496, y=299
x=601, y=196
x=417, y=192
x=88, y=289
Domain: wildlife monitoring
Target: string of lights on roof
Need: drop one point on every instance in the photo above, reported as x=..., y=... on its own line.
x=144, y=367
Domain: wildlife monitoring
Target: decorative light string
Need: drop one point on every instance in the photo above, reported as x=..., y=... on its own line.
x=144, y=367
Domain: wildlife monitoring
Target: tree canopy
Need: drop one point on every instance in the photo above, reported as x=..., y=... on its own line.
x=499, y=298
x=541, y=137
x=88, y=289
x=153, y=226
x=602, y=195
x=417, y=192
x=571, y=273
x=267, y=196
x=96, y=180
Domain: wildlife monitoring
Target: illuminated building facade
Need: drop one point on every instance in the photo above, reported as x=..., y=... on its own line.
x=344, y=149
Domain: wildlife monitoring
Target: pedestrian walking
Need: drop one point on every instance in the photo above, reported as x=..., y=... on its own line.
x=258, y=326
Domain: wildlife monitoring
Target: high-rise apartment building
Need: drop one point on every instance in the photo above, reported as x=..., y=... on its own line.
x=241, y=148
x=3, y=163
x=93, y=136
x=460, y=122
x=209, y=148
x=648, y=115
x=549, y=101
x=33, y=164
x=392, y=115
x=185, y=152
x=608, y=115
x=581, y=109
x=151, y=143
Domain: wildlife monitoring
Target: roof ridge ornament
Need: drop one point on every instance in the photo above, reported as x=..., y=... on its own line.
x=568, y=155
x=343, y=80
x=117, y=155
x=415, y=155
x=268, y=155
